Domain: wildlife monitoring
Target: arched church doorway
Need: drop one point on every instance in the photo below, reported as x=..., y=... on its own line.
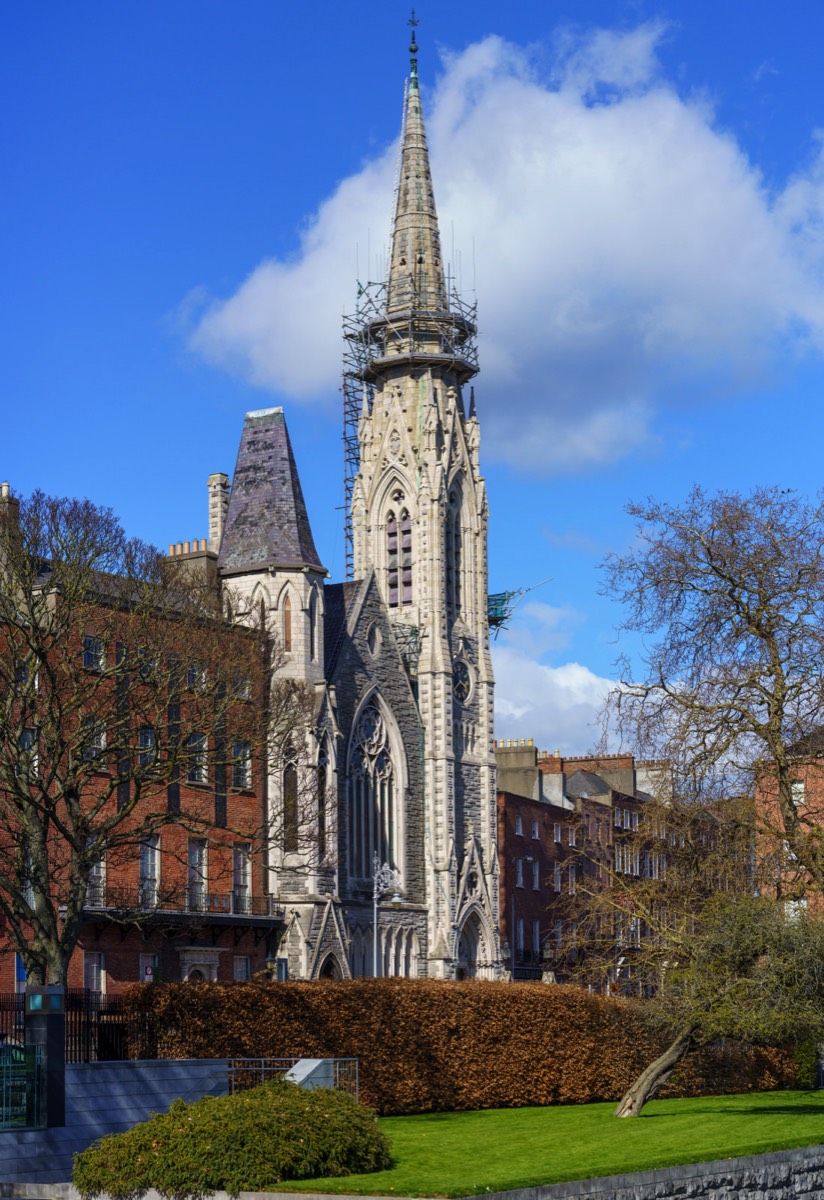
x=469, y=944
x=330, y=969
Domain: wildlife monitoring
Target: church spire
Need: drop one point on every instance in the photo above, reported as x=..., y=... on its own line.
x=416, y=278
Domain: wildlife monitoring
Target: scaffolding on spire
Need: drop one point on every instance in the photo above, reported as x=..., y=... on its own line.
x=373, y=339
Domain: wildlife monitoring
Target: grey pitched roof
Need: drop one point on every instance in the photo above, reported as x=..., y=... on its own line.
x=583, y=783
x=338, y=599
x=266, y=524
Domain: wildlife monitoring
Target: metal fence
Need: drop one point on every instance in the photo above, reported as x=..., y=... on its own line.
x=251, y=1072
x=21, y=1084
x=97, y=1029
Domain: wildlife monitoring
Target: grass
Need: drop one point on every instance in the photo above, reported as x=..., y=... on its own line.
x=458, y=1154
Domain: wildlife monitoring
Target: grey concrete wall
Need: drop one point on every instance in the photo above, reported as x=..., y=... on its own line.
x=104, y=1098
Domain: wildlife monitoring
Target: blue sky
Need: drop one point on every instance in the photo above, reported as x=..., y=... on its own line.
x=633, y=191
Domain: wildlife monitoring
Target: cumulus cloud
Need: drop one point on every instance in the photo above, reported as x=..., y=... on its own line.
x=627, y=253
x=557, y=706
x=555, y=703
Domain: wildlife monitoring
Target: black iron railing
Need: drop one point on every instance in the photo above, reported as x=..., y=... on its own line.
x=195, y=899
x=97, y=1029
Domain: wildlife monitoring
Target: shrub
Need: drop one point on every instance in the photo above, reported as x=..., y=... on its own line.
x=806, y=1064
x=240, y=1143
x=428, y=1045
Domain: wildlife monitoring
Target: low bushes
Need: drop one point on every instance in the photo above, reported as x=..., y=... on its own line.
x=245, y=1142
x=427, y=1045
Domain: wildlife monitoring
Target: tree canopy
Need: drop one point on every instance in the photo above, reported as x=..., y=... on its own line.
x=727, y=594
x=118, y=672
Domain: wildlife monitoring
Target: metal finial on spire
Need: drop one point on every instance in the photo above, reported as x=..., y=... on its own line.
x=413, y=47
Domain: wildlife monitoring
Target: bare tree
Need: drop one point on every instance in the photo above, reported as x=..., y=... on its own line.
x=647, y=925
x=119, y=680
x=727, y=592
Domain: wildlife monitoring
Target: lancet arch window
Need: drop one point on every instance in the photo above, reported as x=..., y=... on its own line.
x=399, y=553
x=322, y=816
x=291, y=815
x=313, y=624
x=454, y=554
x=374, y=788
x=287, y=625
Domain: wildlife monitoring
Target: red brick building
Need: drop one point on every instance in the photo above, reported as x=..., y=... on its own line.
x=560, y=819
x=107, y=735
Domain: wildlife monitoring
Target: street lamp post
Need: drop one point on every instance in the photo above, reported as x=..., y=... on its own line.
x=384, y=879
x=514, y=885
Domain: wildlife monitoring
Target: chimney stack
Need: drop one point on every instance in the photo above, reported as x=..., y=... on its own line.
x=218, y=507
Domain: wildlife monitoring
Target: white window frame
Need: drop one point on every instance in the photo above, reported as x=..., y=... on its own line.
x=94, y=653
x=94, y=971
x=197, y=874
x=197, y=767
x=242, y=765
x=519, y=825
x=242, y=877
x=147, y=746
x=148, y=871
x=536, y=876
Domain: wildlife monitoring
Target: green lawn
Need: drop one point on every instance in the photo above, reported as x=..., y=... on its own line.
x=455, y=1154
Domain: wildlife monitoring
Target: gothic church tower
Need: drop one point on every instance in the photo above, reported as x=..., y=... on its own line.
x=419, y=517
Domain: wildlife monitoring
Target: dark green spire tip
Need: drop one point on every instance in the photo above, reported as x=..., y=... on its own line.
x=413, y=48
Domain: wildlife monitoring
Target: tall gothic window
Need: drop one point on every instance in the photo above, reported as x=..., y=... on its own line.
x=453, y=554
x=323, y=771
x=406, y=557
x=373, y=790
x=399, y=555
x=392, y=560
x=287, y=625
x=290, y=808
x=313, y=622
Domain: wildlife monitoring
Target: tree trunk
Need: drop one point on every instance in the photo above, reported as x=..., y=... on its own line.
x=653, y=1076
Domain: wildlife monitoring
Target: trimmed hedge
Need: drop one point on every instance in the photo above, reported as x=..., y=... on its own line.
x=240, y=1143
x=427, y=1045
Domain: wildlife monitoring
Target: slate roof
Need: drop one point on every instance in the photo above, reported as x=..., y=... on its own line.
x=338, y=599
x=266, y=524
x=585, y=783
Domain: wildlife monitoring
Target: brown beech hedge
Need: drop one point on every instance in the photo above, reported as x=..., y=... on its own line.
x=427, y=1045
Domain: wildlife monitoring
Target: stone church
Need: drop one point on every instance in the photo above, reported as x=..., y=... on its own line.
x=398, y=657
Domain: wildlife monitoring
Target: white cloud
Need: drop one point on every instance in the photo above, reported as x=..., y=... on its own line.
x=556, y=706
x=628, y=254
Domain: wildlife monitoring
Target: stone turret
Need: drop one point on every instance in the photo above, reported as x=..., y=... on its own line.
x=267, y=553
